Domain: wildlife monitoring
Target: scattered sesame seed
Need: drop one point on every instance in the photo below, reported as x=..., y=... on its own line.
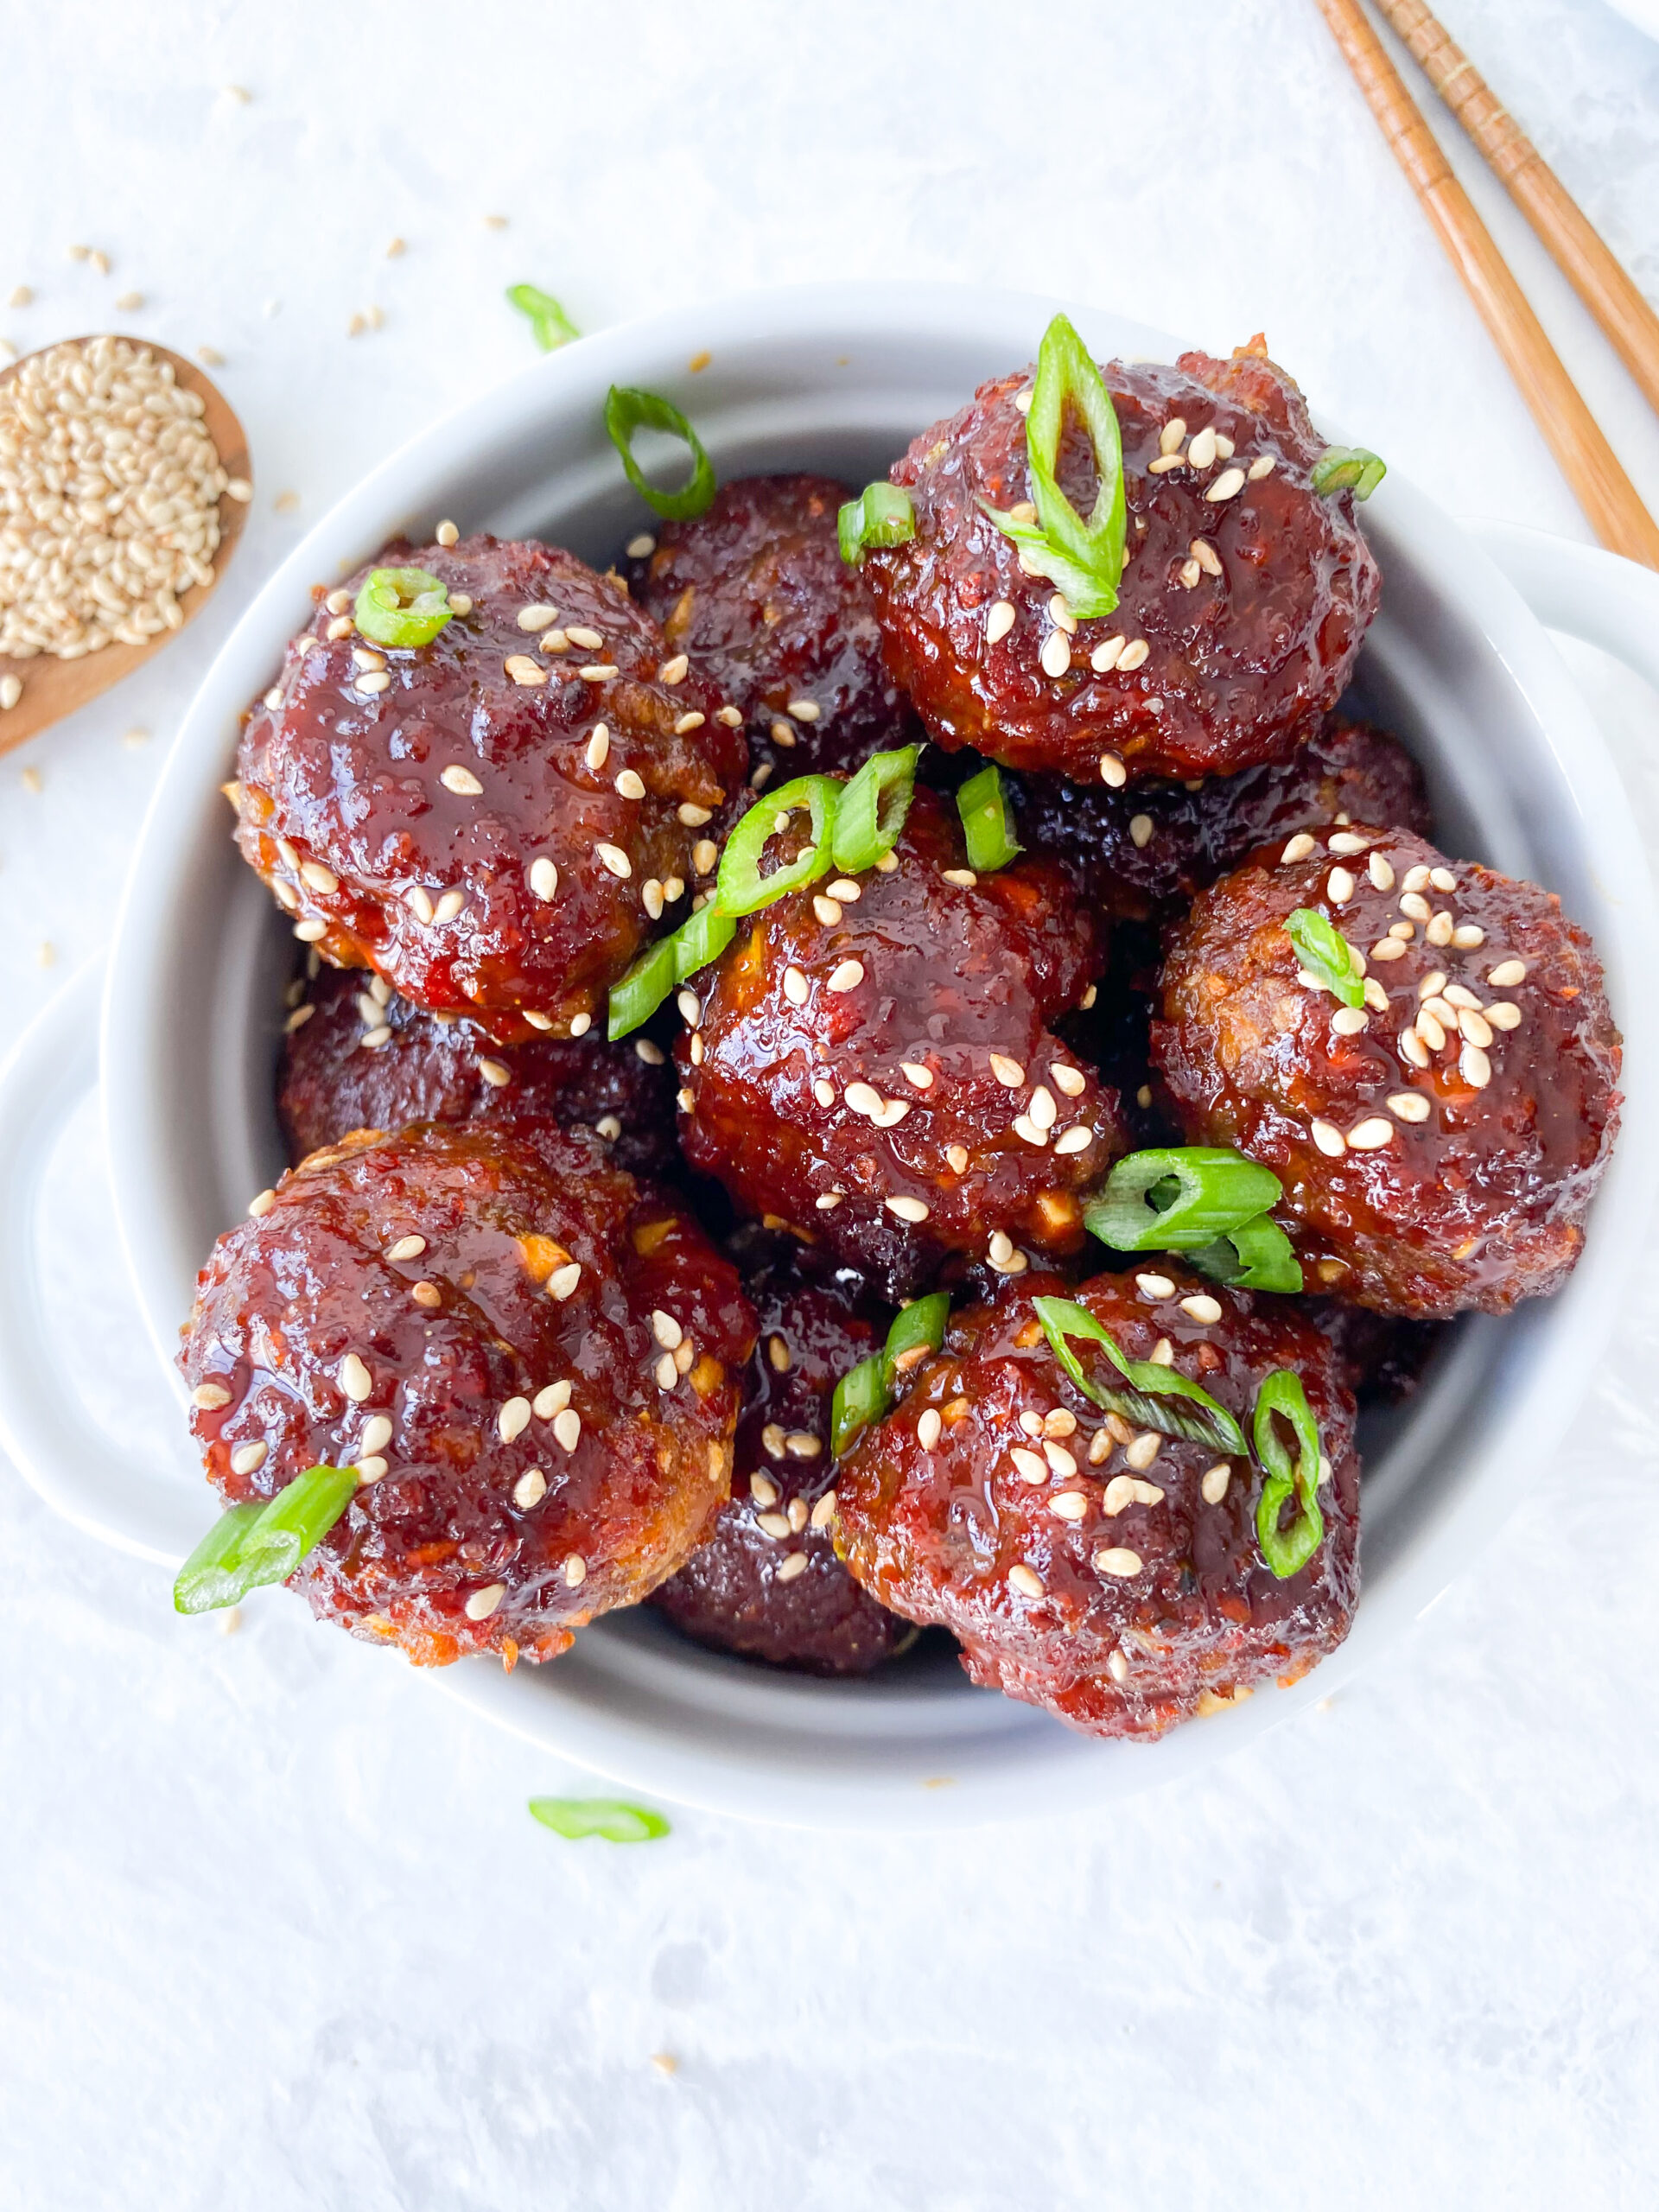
x=552, y=1399
x=576, y=1571
x=685, y=724
x=563, y=1282
x=1466, y=937
x=1142, y=1451
x=1329, y=1138
x=1113, y=773
x=1117, y=1560
x=999, y=622
x=826, y=909
x=846, y=977
x=614, y=858
x=1507, y=974
x=963, y=878
x=929, y=1427
x=692, y=818
x=1504, y=1014
x=567, y=1428
x=1202, y=1308
x=248, y=1459
x=1370, y=1135
x=1056, y=656
x=957, y=1157
x=1474, y=1066
x=1026, y=1579
x=1140, y=827
x=1349, y=1020
x=1340, y=886
x=1106, y=656
x=355, y=1378
x=496, y=1073
x=1229, y=481
x=804, y=710
x=642, y=546
x=530, y=1488
x=1212, y=1485
x=910, y=1210
x=513, y=1419
x=483, y=1603
x=1133, y=655
x=449, y=905
x=446, y=533
x=461, y=781
x=427, y=1295
x=796, y=986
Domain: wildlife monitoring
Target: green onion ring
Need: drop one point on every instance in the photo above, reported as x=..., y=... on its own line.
x=1197, y=1416
x=861, y=1397
x=402, y=607
x=1347, y=468
x=1287, y=1550
x=637, y=994
x=1086, y=559
x=700, y=938
x=1326, y=954
x=612, y=1819
x=548, y=320
x=882, y=515
x=1257, y=1256
x=871, y=810
x=1217, y=1189
x=920, y=1327
x=740, y=888
x=983, y=804
x=626, y=410
x=253, y=1544
x=212, y=1576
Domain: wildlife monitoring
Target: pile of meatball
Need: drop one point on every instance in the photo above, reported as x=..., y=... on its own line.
x=574, y=1310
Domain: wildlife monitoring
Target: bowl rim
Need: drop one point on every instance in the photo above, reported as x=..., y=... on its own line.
x=137, y=1124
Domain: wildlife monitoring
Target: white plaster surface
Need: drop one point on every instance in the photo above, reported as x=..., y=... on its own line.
x=275, y=1929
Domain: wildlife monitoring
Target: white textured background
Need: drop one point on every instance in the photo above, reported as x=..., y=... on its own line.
x=274, y=1927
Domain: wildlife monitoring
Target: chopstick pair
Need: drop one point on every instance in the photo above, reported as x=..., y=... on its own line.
x=1609, y=499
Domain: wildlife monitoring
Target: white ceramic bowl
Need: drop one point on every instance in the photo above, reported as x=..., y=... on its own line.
x=838, y=379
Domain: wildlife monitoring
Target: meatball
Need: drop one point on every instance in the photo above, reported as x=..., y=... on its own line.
x=1111, y=1575
x=1439, y=1145
x=533, y=1361
x=873, y=1062
x=1146, y=851
x=767, y=1583
x=1244, y=596
x=756, y=592
x=358, y=1057
x=1382, y=1358
x=496, y=821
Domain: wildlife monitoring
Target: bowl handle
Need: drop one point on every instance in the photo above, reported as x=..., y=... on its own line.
x=74, y=1464
x=1601, y=597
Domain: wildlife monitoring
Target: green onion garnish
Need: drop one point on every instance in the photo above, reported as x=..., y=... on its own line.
x=402, y=607
x=1347, y=468
x=1157, y=1397
x=1286, y=1550
x=1326, y=954
x=637, y=994
x=626, y=410
x=607, y=1817
x=552, y=326
x=254, y=1544
x=700, y=938
x=871, y=810
x=740, y=888
x=1178, y=1197
x=868, y=1391
x=1086, y=559
x=1257, y=1256
x=983, y=804
x=880, y=515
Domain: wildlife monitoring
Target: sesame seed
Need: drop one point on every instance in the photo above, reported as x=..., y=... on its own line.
x=1475, y=1028
x=1001, y=1248
x=589, y=640
x=513, y=1419
x=684, y=1100
x=373, y=684
x=1466, y=937
x=567, y=1428
x=597, y=672
x=1349, y=1020
x=1474, y=1066
x=957, y=1157
x=687, y=723
x=530, y=1488
x=1069, y=1506
x=631, y=785
x=1056, y=656
x=704, y=853
x=537, y=618
x=375, y=1037
x=1202, y=1308
x=1413, y=1048
x=1229, y=481
x=730, y=716
x=562, y=1280
x=483, y=1603
x=912, y=1210
x=775, y=1525
x=1190, y=573
x=1135, y=654
x=1340, y=886
x=1442, y=879
x=372, y=1469
x=1170, y=437
x=1026, y=1129
x=828, y=1200
x=1106, y=656
x=963, y=878
x=355, y=1378
x=804, y=711
x=824, y=1512
x=640, y=548
x=576, y=1571
x=1261, y=466
x=1380, y=874
x=1026, y=1580
x=1371, y=1135
x=693, y=818
x=783, y=734
x=651, y=892
x=1345, y=841
x=1387, y=949
x=826, y=909
x=795, y=988
x=1502, y=1013
x=210, y=1397
x=1298, y=848
x=649, y=1052
x=461, y=781
x=446, y=533
x=1143, y=1450
x=1440, y=928
x=449, y=905
x=1408, y=1106
x=427, y=1295
x=846, y=977
x=1202, y=451
x=1117, y=1559
x=673, y=672
x=1155, y=1286
x=929, y=1427
x=846, y=890
x=1413, y=904
x=581, y=1023
x=248, y=1459
x=1061, y=615
x=914, y=1072
x=667, y=1374
x=762, y=1489
x=614, y=858
x=341, y=626
x=795, y=1565
x=1140, y=830
x=1059, y=1459
x=496, y=1073
x=598, y=749
x=1507, y=974
x=999, y=622
x=824, y=1091
x=1213, y=1484
x=666, y=1330
x=801, y=1443
x=1077, y=1138
x=1044, y=1112
x=1329, y=1138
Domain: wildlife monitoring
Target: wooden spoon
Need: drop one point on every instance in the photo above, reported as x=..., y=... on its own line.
x=55, y=688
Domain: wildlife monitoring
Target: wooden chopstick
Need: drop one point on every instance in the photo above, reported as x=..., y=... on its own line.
x=1603, y=490
x=1575, y=245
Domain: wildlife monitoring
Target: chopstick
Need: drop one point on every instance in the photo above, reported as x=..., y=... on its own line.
x=1575, y=245
x=1603, y=490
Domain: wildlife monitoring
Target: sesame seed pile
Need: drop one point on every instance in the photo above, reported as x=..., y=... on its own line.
x=109, y=493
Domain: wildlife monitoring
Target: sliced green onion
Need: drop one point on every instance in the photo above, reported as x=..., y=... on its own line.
x=1157, y=1397
x=741, y=888
x=1086, y=559
x=1257, y=1256
x=637, y=994
x=254, y=1544
x=880, y=515
x=1286, y=1550
x=982, y=805
x=1347, y=468
x=861, y=1397
x=610, y=1818
x=626, y=410
x=552, y=326
x=402, y=607
x=1213, y=1189
x=919, y=1328
x=700, y=938
x=1326, y=954
x=871, y=810
x=213, y=1576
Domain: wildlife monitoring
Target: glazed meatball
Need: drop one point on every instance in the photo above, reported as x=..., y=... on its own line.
x=1439, y=1145
x=496, y=821
x=874, y=1065
x=533, y=1361
x=1382, y=1358
x=1111, y=1575
x=1244, y=596
x=756, y=592
x=767, y=1583
x=1144, y=852
x=358, y=1057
